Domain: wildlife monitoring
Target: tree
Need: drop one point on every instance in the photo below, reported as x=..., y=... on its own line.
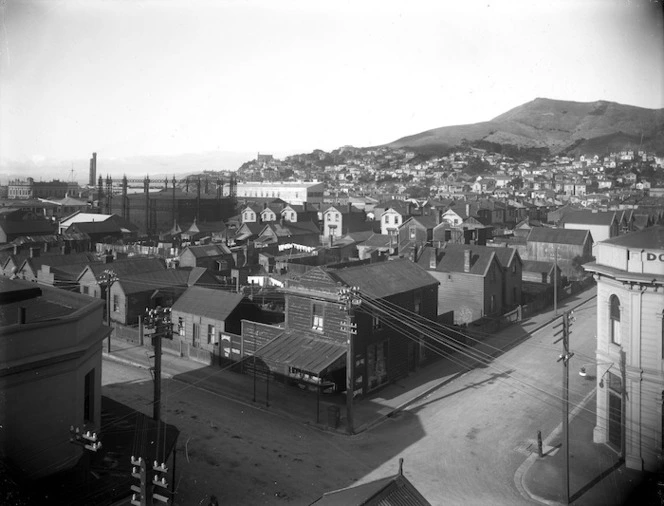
x=477, y=166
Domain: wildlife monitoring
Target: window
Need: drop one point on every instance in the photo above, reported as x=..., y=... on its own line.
x=86, y=289
x=116, y=303
x=89, y=397
x=614, y=319
x=317, y=317
x=195, y=338
x=181, y=326
x=412, y=232
x=210, y=334
x=376, y=322
x=417, y=304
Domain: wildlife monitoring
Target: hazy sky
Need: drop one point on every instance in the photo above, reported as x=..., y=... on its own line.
x=128, y=78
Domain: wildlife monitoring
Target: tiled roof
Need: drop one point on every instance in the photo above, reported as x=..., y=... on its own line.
x=648, y=238
x=303, y=350
x=213, y=304
x=558, y=235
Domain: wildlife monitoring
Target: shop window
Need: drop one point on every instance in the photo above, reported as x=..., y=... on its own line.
x=614, y=319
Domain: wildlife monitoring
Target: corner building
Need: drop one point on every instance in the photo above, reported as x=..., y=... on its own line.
x=629, y=271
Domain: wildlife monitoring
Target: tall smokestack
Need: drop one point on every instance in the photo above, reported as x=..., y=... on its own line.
x=93, y=170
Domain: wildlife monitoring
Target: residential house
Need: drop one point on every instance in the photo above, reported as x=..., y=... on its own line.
x=206, y=255
x=21, y=224
x=203, y=320
x=297, y=213
x=418, y=229
x=132, y=295
x=301, y=233
x=251, y=213
x=394, y=214
x=471, y=281
x=35, y=268
x=341, y=220
x=89, y=277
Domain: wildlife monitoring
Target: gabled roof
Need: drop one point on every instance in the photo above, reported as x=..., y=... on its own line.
x=27, y=227
x=383, y=279
x=559, y=236
x=155, y=280
x=427, y=221
x=537, y=266
x=213, y=304
x=207, y=250
x=453, y=259
x=55, y=260
x=379, y=241
x=392, y=491
x=589, y=218
x=127, y=266
x=648, y=238
x=505, y=254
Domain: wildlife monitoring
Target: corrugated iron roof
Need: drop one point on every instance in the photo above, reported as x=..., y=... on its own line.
x=392, y=491
x=558, y=235
x=214, y=304
x=302, y=350
x=648, y=238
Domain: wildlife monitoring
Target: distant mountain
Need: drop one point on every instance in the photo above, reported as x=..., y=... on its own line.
x=560, y=126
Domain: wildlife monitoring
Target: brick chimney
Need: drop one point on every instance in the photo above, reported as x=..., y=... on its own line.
x=466, y=260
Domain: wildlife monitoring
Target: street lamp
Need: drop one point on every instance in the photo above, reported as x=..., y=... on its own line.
x=584, y=373
x=106, y=279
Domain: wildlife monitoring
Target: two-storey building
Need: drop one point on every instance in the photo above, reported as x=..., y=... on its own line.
x=630, y=346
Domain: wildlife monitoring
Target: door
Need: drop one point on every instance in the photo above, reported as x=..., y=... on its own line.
x=615, y=412
x=195, y=336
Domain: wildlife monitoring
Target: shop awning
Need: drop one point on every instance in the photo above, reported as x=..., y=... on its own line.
x=302, y=350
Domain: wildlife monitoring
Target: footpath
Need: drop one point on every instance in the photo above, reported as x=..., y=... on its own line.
x=538, y=478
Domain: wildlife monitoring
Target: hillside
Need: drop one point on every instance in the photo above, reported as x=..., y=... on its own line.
x=559, y=125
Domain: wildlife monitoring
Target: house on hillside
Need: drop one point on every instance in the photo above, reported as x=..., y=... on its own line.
x=341, y=220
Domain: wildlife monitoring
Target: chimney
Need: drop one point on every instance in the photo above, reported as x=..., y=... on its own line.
x=21, y=315
x=466, y=260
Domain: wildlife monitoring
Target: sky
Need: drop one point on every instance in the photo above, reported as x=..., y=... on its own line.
x=155, y=79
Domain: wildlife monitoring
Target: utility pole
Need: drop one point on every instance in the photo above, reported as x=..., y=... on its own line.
x=564, y=358
x=350, y=298
x=159, y=320
x=107, y=279
x=555, y=281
